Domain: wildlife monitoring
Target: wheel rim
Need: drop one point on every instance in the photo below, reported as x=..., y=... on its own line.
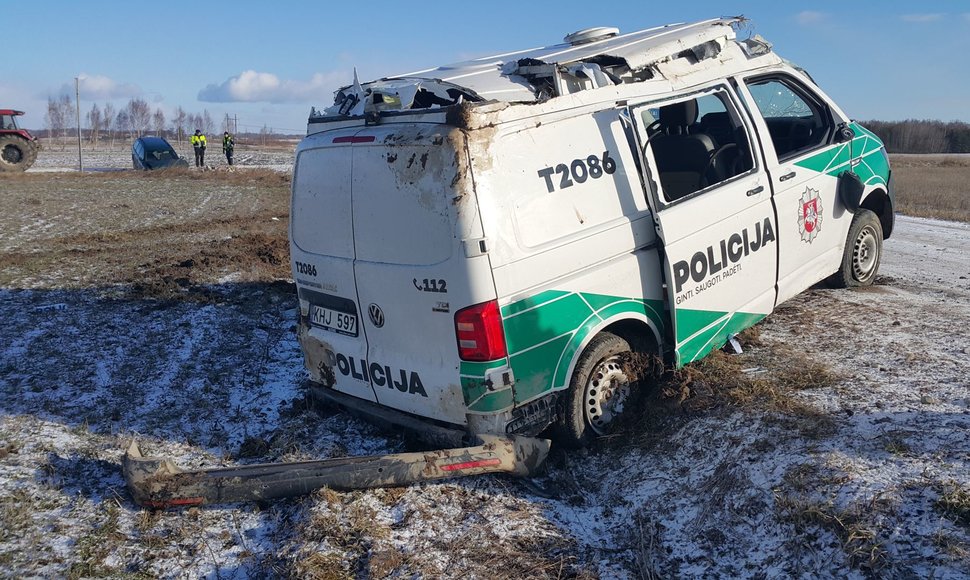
x=12, y=154
x=606, y=393
x=865, y=254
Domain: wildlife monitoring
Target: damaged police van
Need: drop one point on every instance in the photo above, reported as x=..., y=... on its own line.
x=480, y=247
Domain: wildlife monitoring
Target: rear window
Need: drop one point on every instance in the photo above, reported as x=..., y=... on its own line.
x=382, y=203
x=403, y=203
x=321, y=217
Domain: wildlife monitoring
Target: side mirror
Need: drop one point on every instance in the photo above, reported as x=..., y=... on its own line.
x=844, y=133
x=850, y=190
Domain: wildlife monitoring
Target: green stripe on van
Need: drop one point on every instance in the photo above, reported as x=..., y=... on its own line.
x=544, y=333
x=481, y=399
x=705, y=330
x=531, y=302
x=526, y=329
x=872, y=166
x=479, y=396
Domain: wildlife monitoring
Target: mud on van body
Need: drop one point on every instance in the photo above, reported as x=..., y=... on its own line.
x=482, y=245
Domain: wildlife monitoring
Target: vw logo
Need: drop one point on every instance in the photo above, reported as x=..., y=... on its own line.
x=376, y=315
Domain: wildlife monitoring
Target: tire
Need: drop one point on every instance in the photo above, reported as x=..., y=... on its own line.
x=598, y=392
x=862, y=253
x=16, y=153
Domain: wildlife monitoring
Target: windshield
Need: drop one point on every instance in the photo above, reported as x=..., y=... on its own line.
x=162, y=154
x=7, y=123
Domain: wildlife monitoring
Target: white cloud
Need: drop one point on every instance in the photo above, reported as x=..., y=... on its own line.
x=251, y=86
x=94, y=87
x=807, y=17
x=920, y=18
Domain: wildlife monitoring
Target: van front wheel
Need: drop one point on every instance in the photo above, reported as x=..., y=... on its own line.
x=863, y=250
x=599, y=392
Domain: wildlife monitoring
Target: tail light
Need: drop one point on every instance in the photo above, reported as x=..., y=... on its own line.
x=479, y=332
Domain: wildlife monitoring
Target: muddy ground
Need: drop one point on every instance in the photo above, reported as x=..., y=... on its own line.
x=160, y=307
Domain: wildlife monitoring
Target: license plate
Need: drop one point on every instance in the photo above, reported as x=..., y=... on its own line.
x=333, y=320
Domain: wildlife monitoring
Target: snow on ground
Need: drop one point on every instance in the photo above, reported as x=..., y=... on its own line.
x=850, y=479
x=108, y=156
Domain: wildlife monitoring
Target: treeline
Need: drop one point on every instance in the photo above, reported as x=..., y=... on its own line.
x=922, y=136
x=133, y=120
x=136, y=118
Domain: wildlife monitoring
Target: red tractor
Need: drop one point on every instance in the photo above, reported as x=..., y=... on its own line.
x=18, y=148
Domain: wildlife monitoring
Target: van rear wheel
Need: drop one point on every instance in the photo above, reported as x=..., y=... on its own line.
x=863, y=250
x=599, y=392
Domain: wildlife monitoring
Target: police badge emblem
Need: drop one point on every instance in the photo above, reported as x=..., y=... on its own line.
x=810, y=215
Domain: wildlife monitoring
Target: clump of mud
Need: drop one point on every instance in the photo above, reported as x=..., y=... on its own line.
x=641, y=366
x=250, y=257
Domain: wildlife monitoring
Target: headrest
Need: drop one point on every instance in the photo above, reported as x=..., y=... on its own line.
x=679, y=114
x=720, y=118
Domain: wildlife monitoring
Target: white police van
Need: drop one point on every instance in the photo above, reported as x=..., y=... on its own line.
x=479, y=245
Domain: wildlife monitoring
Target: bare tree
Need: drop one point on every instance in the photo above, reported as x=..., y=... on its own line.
x=109, y=116
x=207, y=125
x=178, y=123
x=94, y=123
x=139, y=116
x=195, y=120
x=55, y=118
x=66, y=105
x=123, y=122
x=158, y=122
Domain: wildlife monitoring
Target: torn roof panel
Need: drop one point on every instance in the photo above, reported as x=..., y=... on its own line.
x=597, y=57
x=638, y=50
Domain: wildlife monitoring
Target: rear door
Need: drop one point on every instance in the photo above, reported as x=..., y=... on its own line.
x=380, y=226
x=409, y=220
x=322, y=230
x=714, y=215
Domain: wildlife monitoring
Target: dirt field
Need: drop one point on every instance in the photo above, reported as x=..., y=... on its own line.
x=933, y=186
x=160, y=306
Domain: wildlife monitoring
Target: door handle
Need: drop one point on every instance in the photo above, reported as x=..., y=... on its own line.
x=756, y=190
x=787, y=176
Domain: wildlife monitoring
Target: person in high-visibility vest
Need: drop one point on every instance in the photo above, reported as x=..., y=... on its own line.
x=198, y=143
x=227, y=146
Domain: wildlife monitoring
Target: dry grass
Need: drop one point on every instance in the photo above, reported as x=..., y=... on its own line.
x=806, y=500
x=16, y=514
x=94, y=547
x=932, y=186
x=346, y=528
x=854, y=525
x=763, y=380
x=954, y=503
x=346, y=536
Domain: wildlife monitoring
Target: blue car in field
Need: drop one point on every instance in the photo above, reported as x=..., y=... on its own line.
x=154, y=153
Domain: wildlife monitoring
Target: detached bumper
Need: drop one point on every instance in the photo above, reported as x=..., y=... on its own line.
x=157, y=483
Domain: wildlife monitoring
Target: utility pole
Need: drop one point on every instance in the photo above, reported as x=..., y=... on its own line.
x=77, y=103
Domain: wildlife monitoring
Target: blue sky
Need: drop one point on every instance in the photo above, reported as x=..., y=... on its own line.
x=268, y=62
